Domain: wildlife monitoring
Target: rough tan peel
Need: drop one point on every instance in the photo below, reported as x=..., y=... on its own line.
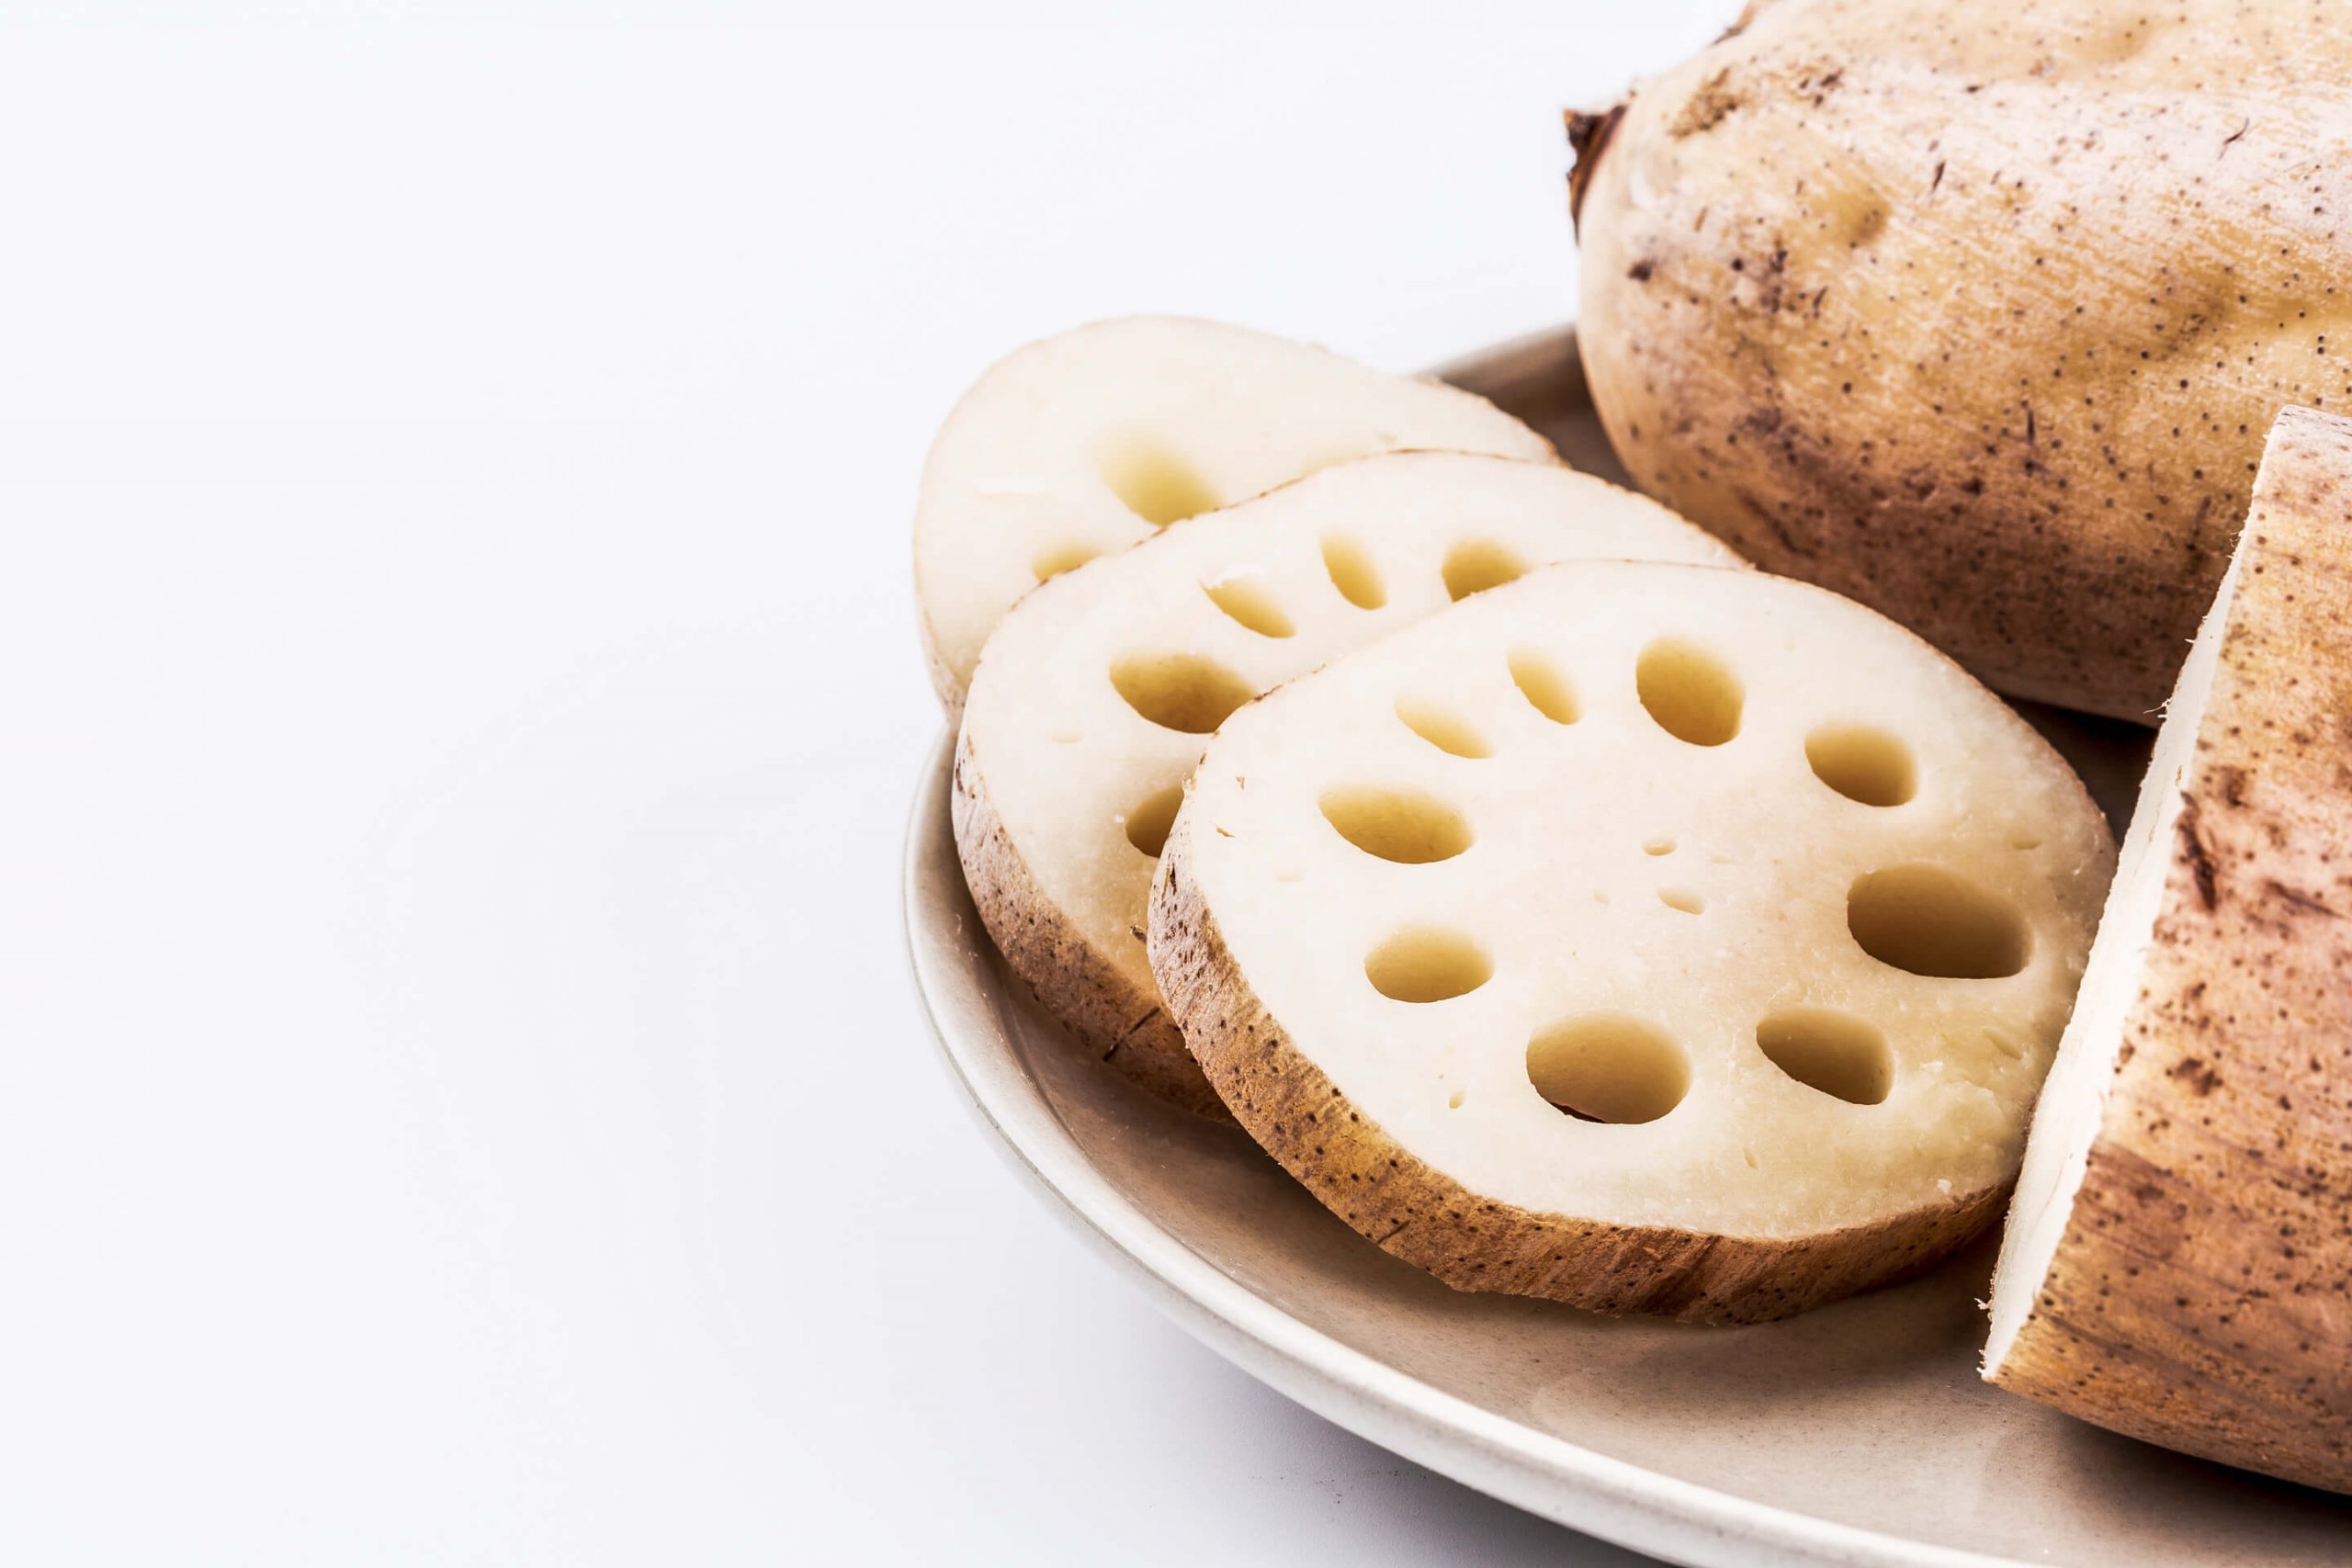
x=2194, y=1288
x=1418, y=1213
x=1098, y=1004
x=1978, y=313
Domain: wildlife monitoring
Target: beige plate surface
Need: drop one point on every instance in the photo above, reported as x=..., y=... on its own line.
x=1859, y=1434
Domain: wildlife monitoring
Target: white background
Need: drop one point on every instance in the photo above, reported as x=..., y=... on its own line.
x=461, y=1098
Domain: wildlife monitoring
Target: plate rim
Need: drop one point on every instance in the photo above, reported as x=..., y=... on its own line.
x=1623, y=1502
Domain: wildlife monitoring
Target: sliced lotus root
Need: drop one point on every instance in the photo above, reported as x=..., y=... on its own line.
x=2178, y=1264
x=1717, y=983
x=1098, y=692
x=1086, y=442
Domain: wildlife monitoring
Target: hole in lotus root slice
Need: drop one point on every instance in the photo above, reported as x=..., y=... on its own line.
x=1179, y=690
x=1245, y=597
x=1403, y=826
x=1546, y=689
x=1055, y=559
x=1476, y=565
x=1862, y=763
x=1427, y=963
x=1608, y=1067
x=1925, y=921
x=1154, y=480
x=1692, y=694
x=1354, y=573
x=1442, y=727
x=1149, y=823
x=1830, y=1050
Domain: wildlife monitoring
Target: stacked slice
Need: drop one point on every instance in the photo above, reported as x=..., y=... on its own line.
x=1577, y=917
x=1086, y=442
x=1097, y=693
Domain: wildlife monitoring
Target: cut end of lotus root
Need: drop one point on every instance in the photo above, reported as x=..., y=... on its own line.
x=2177, y=1262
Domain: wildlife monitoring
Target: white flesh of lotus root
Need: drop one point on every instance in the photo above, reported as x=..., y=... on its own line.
x=1097, y=694
x=1083, y=444
x=1777, y=894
